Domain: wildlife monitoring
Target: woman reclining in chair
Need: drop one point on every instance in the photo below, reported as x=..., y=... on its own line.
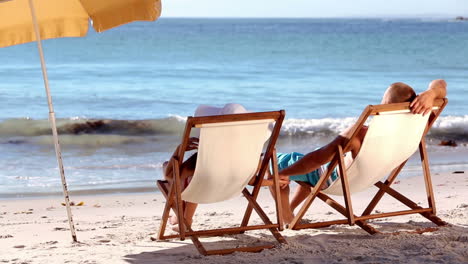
x=188, y=166
x=310, y=167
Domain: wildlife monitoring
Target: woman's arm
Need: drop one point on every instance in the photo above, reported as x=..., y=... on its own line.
x=192, y=144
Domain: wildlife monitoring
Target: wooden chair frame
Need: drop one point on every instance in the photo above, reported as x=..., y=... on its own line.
x=173, y=190
x=384, y=187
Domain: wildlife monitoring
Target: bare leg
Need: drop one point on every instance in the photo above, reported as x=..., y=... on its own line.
x=189, y=212
x=287, y=212
x=299, y=196
x=284, y=194
x=187, y=170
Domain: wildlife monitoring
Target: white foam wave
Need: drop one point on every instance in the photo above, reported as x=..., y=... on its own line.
x=458, y=124
x=178, y=117
x=76, y=131
x=452, y=127
x=316, y=126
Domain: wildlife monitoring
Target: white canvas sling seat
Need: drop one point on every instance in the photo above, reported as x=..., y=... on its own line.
x=391, y=139
x=393, y=135
x=228, y=157
x=232, y=150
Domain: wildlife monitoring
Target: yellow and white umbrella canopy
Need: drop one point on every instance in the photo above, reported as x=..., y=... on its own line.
x=69, y=18
x=23, y=21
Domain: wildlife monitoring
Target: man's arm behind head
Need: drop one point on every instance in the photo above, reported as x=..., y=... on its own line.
x=423, y=103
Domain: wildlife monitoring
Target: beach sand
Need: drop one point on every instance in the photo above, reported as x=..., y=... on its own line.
x=122, y=228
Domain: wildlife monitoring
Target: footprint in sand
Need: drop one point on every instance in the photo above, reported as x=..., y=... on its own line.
x=226, y=213
x=210, y=214
x=30, y=211
x=85, y=229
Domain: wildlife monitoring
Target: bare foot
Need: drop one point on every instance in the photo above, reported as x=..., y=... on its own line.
x=287, y=219
x=173, y=220
x=176, y=227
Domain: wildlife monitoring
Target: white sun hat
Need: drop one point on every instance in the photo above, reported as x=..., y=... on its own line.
x=231, y=108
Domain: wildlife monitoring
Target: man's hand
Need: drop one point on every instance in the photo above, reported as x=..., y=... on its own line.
x=423, y=103
x=284, y=181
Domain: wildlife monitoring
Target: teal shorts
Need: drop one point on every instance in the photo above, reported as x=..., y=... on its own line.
x=288, y=159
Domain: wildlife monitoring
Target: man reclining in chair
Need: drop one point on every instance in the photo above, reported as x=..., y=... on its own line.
x=309, y=168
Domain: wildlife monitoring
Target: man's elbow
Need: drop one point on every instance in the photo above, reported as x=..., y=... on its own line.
x=441, y=85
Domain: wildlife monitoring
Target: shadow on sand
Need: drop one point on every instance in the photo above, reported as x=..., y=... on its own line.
x=337, y=244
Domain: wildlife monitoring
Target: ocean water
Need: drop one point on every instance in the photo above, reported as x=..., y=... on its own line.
x=122, y=96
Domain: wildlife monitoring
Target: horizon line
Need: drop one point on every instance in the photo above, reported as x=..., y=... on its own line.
x=325, y=17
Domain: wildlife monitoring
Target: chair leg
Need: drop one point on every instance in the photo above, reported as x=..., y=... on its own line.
x=338, y=207
x=314, y=191
x=400, y=197
x=345, y=185
x=256, y=190
x=378, y=196
x=167, y=208
x=232, y=250
x=168, y=194
x=178, y=199
x=196, y=242
x=253, y=203
x=278, y=202
x=427, y=175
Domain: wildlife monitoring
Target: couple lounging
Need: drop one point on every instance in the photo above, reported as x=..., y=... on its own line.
x=309, y=167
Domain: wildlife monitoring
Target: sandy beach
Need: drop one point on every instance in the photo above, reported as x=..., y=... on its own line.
x=122, y=229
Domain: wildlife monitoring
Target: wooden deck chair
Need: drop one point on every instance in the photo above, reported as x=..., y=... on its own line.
x=229, y=153
x=393, y=135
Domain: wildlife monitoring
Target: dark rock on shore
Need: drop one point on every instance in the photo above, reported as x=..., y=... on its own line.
x=449, y=143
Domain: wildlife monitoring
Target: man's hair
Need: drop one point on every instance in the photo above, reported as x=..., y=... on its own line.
x=398, y=93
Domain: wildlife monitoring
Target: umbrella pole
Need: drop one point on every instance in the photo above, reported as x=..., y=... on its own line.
x=52, y=121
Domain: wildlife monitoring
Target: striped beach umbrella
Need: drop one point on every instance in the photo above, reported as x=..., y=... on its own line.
x=23, y=21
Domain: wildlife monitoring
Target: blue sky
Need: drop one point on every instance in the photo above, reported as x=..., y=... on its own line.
x=314, y=8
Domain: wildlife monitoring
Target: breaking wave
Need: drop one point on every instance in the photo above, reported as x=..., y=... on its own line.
x=81, y=131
